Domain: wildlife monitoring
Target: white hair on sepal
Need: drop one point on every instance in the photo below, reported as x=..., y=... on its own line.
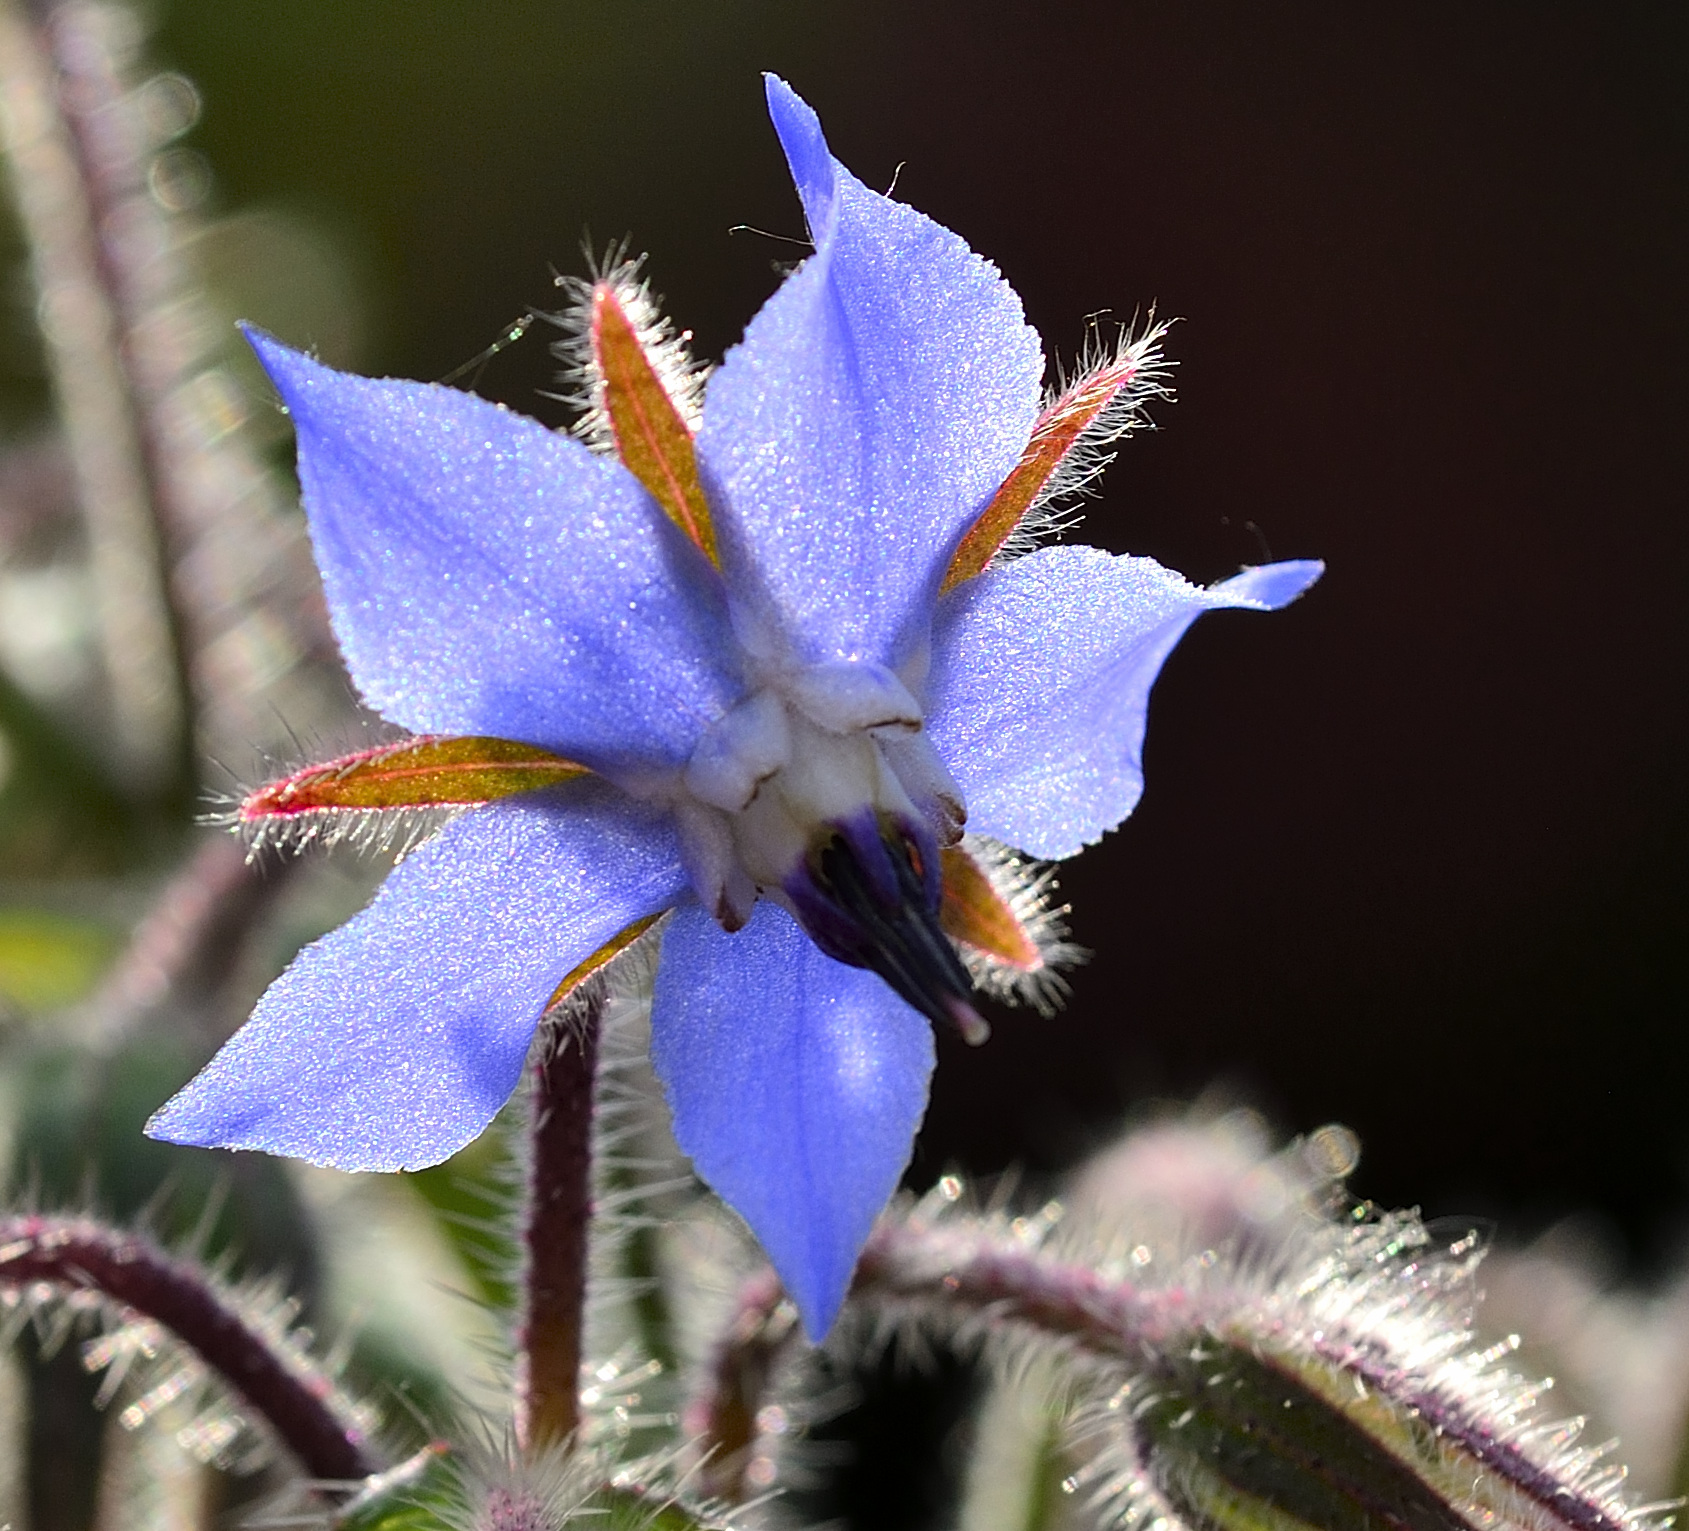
x=1054, y=509
x=394, y=832
x=1028, y=888
x=1352, y=1326
x=666, y=348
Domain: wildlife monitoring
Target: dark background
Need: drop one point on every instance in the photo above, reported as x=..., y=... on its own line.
x=1412, y=854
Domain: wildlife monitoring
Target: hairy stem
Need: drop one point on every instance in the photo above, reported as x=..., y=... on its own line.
x=206, y=592
x=557, y=1213
x=240, y=588
x=1104, y=1316
x=84, y=337
x=301, y=1405
x=190, y=939
x=722, y=1418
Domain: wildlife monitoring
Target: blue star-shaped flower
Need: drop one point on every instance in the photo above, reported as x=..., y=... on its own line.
x=762, y=675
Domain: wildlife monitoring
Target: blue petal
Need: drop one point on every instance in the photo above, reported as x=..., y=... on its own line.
x=394, y=1040
x=489, y=576
x=796, y=1085
x=874, y=406
x=1041, y=678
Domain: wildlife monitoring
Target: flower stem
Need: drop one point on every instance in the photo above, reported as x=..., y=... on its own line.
x=302, y=1406
x=1321, y=1403
x=1103, y=1317
x=189, y=943
x=84, y=338
x=557, y=1211
x=723, y=1417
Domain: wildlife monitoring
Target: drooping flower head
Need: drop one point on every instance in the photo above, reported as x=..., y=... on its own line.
x=753, y=665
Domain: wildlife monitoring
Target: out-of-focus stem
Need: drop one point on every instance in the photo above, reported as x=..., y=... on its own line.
x=237, y=575
x=189, y=941
x=83, y=333
x=722, y=1419
x=301, y=1404
x=557, y=1213
x=1103, y=1315
x=137, y=350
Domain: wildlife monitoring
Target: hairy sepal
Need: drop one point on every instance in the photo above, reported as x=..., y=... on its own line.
x=639, y=391
x=1067, y=450
x=998, y=907
x=393, y=792
x=601, y=968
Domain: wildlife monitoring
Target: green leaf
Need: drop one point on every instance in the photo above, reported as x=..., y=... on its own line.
x=49, y=960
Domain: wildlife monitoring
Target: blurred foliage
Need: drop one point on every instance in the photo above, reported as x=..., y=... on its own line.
x=50, y=960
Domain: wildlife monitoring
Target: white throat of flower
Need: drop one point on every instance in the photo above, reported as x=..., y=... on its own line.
x=821, y=792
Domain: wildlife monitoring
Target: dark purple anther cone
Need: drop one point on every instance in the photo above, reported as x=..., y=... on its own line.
x=868, y=895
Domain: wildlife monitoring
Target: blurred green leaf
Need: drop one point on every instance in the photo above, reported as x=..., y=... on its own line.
x=47, y=959
x=627, y=1510
x=59, y=814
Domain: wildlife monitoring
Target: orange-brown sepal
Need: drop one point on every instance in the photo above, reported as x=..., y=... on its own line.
x=652, y=437
x=599, y=960
x=1065, y=420
x=429, y=772
x=976, y=914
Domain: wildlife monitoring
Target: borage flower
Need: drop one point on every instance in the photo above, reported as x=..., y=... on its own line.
x=752, y=667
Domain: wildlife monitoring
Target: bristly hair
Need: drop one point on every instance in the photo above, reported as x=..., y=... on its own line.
x=1349, y=1329
x=1028, y=889
x=665, y=347
x=1134, y=352
x=490, y=1484
x=73, y=1277
x=370, y=831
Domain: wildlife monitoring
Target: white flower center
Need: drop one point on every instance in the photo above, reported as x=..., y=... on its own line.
x=810, y=752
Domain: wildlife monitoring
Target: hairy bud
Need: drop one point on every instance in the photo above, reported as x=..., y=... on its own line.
x=1325, y=1377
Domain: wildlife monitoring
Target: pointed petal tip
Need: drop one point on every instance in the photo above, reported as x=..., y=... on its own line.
x=786, y=105
x=818, y=1293
x=819, y=1316
x=1273, y=585
x=287, y=368
x=161, y=1129
x=267, y=347
x=798, y=128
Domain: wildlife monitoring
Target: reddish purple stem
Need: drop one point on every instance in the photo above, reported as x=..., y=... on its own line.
x=557, y=1213
x=301, y=1405
x=1105, y=1316
x=1114, y=1319
x=722, y=1418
